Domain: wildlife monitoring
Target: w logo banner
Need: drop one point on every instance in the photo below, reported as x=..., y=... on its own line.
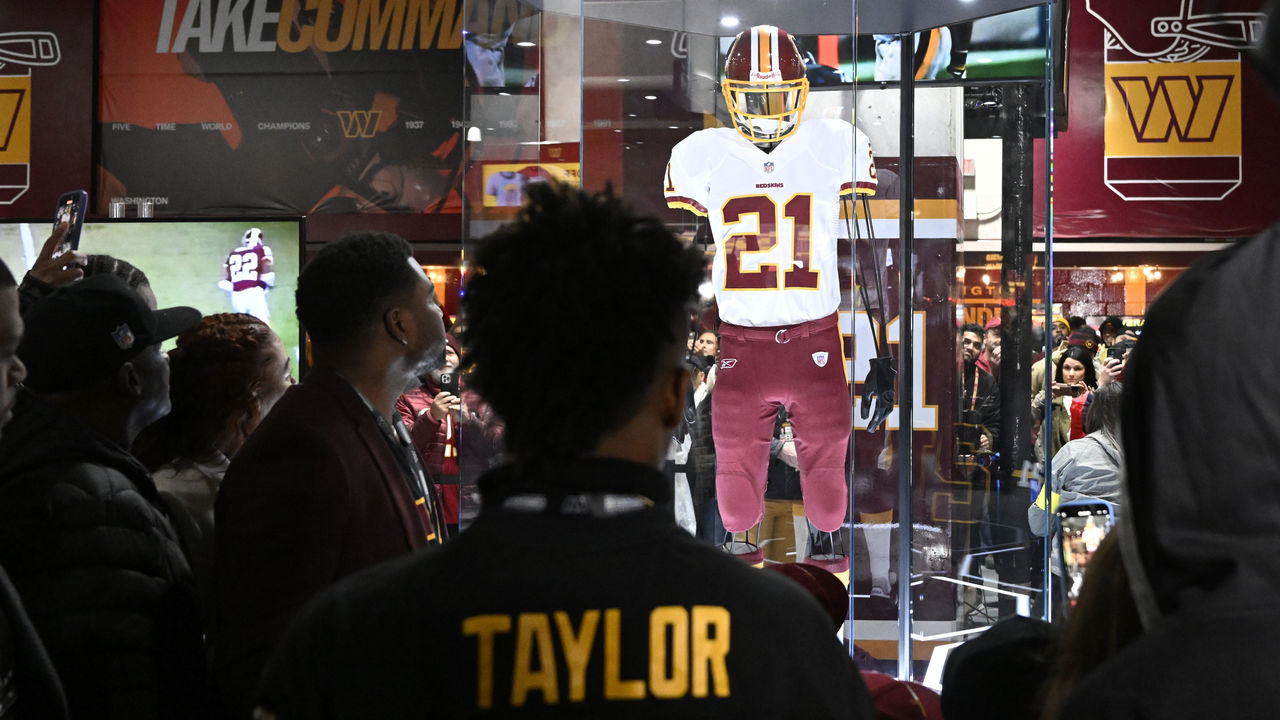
x=1172, y=126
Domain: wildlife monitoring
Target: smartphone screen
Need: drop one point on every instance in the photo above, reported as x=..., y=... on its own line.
x=1084, y=524
x=70, y=210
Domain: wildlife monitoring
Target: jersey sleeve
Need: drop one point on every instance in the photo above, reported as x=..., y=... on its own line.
x=858, y=156
x=864, y=164
x=685, y=181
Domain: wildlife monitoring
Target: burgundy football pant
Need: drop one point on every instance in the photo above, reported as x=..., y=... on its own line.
x=800, y=367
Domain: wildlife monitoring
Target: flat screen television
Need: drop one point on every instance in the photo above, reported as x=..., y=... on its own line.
x=1009, y=46
x=183, y=259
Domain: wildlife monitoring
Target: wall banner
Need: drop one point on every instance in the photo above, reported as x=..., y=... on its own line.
x=1171, y=134
x=282, y=106
x=46, y=104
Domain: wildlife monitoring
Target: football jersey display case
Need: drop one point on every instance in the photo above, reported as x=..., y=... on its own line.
x=819, y=154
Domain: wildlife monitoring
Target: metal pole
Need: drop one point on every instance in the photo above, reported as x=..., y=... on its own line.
x=1045, y=429
x=906, y=303
x=850, y=621
x=1008, y=499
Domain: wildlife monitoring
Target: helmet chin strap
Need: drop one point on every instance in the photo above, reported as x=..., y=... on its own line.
x=767, y=143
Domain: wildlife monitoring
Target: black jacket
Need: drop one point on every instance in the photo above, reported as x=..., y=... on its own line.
x=29, y=686
x=702, y=452
x=980, y=410
x=1200, y=536
x=85, y=539
x=499, y=618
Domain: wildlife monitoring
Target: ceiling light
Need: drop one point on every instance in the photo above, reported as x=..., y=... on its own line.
x=729, y=21
x=653, y=41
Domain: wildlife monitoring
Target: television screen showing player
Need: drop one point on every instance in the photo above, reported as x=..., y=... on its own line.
x=192, y=262
x=1007, y=46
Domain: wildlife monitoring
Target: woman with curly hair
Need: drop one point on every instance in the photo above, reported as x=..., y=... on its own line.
x=224, y=376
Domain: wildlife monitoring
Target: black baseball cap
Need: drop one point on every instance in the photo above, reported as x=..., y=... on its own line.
x=86, y=330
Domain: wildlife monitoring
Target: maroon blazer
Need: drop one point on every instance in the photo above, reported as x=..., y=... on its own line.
x=315, y=494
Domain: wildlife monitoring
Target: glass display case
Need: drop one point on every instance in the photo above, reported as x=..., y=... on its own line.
x=916, y=136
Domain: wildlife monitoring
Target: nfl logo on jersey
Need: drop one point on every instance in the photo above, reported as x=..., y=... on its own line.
x=768, y=167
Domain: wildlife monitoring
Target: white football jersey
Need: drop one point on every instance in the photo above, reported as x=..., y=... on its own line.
x=775, y=216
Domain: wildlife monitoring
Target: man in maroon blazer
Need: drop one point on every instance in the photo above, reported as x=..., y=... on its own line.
x=328, y=484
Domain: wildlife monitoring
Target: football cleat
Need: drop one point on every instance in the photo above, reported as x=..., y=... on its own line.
x=764, y=85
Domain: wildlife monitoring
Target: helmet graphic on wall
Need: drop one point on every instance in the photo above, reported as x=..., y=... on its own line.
x=1174, y=30
x=764, y=84
x=252, y=238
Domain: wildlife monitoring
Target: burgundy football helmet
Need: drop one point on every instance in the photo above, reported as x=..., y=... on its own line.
x=764, y=84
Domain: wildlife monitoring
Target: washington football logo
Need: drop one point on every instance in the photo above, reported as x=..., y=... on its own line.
x=359, y=123
x=820, y=358
x=768, y=167
x=726, y=363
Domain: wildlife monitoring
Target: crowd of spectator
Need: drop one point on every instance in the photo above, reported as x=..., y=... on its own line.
x=199, y=536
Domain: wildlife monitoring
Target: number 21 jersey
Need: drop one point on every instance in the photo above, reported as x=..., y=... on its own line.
x=775, y=216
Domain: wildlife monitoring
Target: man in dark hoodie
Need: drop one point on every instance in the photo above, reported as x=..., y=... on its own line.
x=1200, y=538
x=83, y=531
x=1201, y=532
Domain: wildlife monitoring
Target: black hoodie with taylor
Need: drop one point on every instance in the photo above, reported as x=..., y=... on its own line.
x=1201, y=536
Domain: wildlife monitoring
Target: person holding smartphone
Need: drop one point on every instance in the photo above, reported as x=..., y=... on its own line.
x=1070, y=393
x=432, y=413
x=1089, y=467
x=54, y=267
